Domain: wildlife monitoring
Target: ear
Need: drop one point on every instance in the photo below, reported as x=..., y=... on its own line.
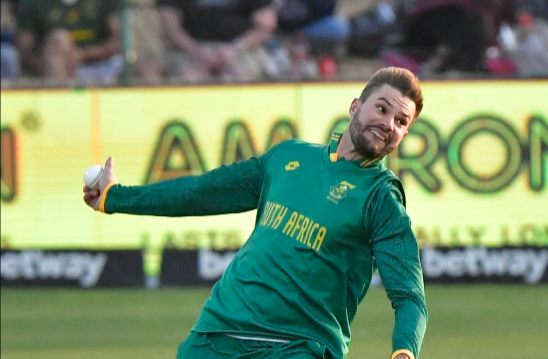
x=356, y=103
x=405, y=134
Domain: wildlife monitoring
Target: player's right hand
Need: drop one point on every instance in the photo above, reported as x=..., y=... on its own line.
x=92, y=197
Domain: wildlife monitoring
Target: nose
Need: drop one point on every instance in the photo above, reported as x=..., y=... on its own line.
x=388, y=122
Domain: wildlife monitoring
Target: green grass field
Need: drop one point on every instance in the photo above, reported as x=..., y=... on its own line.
x=466, y=322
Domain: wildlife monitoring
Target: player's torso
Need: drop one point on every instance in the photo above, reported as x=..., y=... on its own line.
x=314, y=204
x=310, y=205
x=308, y=261
x=310, y=228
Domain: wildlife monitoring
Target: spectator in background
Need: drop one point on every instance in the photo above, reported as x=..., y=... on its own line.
x=327, y=33
x=526, y=43
x=63, y=39
x=216, y=39
x=10, y=57
x=446, y=35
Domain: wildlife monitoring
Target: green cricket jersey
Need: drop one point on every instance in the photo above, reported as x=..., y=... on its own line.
x=322, y=228
x=86, y=20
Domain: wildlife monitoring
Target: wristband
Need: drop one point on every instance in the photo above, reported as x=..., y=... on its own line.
x=104, y=197
x=403, y=351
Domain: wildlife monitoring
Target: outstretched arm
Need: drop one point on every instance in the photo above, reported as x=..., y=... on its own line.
x=227, y=189
x=397, y=257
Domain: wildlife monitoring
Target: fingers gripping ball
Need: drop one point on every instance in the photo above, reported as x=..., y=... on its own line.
x=92, y=176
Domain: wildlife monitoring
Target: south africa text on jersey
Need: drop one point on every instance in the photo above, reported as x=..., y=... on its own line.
x=296, y=225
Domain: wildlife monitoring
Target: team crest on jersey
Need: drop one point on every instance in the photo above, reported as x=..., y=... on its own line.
x=339, y=191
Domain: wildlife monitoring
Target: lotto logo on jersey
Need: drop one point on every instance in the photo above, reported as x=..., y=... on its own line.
x=292, y=165
x=339, y=191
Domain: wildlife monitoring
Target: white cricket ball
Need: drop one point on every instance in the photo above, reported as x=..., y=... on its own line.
x=92, y=176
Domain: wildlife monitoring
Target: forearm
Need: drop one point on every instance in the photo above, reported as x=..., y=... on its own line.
x=100, y=52
x=228, y=189
x=180, y=40
x=253, y=38
x=410, y=326
x=404, y=287
x=400, y=270
x=398, y=260
x=174, y=33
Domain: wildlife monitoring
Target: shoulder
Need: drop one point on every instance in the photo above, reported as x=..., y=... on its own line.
x=391, y=189
x=385, y=207
x=292, y=149
x=294, y=143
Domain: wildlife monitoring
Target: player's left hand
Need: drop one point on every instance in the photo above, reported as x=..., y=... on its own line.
x=92, y=197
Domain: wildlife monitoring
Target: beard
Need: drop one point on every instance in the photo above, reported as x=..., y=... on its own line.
x=361, y=144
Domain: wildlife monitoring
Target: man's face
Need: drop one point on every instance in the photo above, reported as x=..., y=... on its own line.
x=378, y=125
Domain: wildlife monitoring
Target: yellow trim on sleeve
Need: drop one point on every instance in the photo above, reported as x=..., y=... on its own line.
x=104, y=197
x=403, y=351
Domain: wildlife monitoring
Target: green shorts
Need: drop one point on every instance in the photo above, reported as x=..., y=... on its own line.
x=222, y=346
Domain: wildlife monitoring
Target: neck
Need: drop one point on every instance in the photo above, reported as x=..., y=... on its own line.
x=347, y=150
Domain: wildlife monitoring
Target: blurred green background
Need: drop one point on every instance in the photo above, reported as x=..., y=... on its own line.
x=466, y=321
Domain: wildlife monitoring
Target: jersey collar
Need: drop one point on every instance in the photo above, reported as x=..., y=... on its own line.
x=334, y=156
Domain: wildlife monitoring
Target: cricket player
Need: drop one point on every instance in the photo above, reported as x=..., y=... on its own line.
x=328, y=217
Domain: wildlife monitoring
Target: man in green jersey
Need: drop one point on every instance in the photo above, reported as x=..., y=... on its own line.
x=328, y=216
x=63, y=39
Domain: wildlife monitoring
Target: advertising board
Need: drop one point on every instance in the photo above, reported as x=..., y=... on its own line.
x=474, y=165
x=72, y=268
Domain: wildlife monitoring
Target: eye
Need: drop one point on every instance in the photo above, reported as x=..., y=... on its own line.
x=381, y=109
x=401, y=122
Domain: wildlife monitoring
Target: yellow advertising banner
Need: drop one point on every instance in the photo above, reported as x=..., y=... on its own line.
x=474, y=165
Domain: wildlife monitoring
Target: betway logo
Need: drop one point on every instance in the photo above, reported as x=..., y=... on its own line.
x=35, y=264
x=212, y=265
x=530, y=264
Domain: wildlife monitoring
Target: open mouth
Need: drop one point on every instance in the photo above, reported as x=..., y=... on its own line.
x=378, y=135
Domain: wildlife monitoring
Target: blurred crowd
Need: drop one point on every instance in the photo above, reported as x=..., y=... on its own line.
x=271, y=40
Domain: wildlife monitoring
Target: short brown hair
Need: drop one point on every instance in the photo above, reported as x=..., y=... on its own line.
x=399, y=78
